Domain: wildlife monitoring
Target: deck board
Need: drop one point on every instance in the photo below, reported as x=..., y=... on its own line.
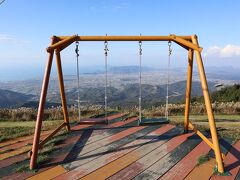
x=96, y=135
x=109, y=146
x=110, y=158
x=152, y=157
x=232, y=163
x=162, y=166
x=183, y=167
x=122, y=150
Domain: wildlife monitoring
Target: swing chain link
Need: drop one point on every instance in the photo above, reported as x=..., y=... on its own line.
x=78, y=80
x=106, y=79
x=77, y=50
x=140, y=83
x=140, y=48
x=106, y=48
x=169, y=48
x=168, y=78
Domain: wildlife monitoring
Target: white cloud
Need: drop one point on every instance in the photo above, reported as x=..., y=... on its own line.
x=114, y=7
x=229, y=51
x=6, y=38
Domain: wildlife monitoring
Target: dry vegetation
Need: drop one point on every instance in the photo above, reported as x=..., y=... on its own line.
x=30, y=114
x=227, y=116
x=19, y=122
x=229, y=108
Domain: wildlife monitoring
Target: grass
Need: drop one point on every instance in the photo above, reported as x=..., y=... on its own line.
x=227, y=125
x=46, y=124
x=7, y=133
x=25, y=166
x=205, y=118
x=44, y=153
x=202, y=159
x=12, y=130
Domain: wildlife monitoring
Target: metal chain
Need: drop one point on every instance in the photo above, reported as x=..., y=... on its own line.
x=140, y=82
x=168, y=76
x=106, y=79
x=78, y=80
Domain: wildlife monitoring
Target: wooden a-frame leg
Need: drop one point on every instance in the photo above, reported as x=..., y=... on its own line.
x=42, y=101
x=209, y=108
x=188, y=89
x=62, y=91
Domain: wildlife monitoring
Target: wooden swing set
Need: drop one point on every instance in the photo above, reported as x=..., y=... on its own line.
x=190, y=43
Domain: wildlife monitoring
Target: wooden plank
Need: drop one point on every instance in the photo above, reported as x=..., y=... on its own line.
x=101, y=143
x=107, y=147
x=15, y=152
x=20, y=143
x=20, y=139
x=110, y=157
x=96, y=134
x=203, y=171
x=130, y=122
x=111, y=119
x=238, y=176
x=49, y=174
x=89, y=140
x=162, y=166
x=70, y=142
x=225, y=146
x=114, y=167
x=207, y=168
x=152, y=157
x=185, y=166
x=232, y=163
x=45, y=133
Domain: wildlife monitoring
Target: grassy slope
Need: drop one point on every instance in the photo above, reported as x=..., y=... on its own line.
x=11, y=130
x=228, y=125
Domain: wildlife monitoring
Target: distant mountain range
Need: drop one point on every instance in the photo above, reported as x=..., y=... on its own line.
x=130, y=69
x=123, y=87
x=124, y=97
x=224, y=73
x=13, y=99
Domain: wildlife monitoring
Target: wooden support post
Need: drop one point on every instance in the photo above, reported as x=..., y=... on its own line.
x=208, y=108
x=62, y=91
x=188, y=89
x=42, y=101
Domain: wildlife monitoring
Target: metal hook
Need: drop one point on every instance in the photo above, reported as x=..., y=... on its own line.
x=77, y=50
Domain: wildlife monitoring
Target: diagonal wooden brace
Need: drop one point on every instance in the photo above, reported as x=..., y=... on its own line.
x=40, y=146
x=201, y=135
x=185, y=43
x=63, y=43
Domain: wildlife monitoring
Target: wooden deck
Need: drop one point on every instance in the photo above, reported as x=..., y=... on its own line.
x=121, y=150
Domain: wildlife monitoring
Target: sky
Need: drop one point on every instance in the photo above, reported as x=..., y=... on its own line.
x=26, y=27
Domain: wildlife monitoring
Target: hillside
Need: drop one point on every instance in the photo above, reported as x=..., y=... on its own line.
x=227, y=94
x=128, y=94
x=12, y=99
x=125, y=96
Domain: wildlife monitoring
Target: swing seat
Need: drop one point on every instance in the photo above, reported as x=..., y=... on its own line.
x=152, y=121
x=94, y=121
